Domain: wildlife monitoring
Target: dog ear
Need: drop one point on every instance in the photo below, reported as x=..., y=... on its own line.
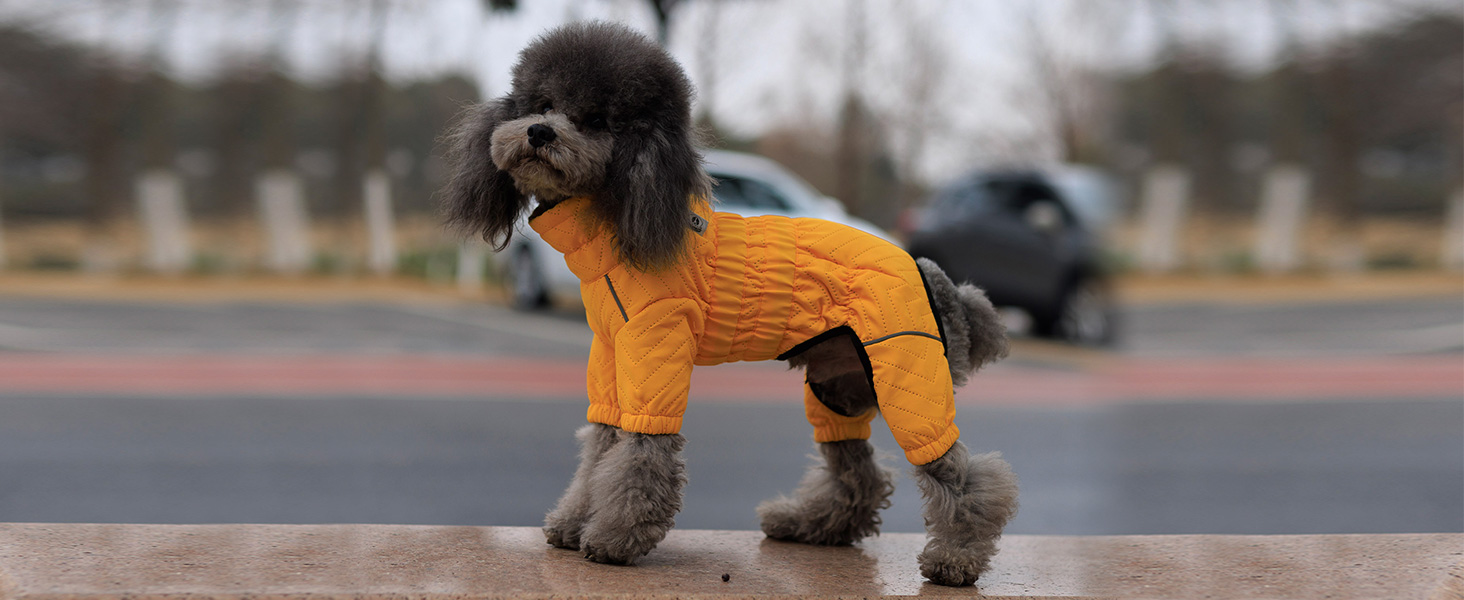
x=651, y=178
x=479, y=197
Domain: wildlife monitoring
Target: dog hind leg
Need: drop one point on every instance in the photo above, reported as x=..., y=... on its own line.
x=838, y=501
x=563, y=524
x=635, y=493
x=968, y=499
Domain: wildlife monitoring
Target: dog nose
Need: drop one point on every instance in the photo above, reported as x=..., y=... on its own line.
x=540, y=134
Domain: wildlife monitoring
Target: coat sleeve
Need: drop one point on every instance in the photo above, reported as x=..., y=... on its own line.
x=604, y=407
x=653, y=358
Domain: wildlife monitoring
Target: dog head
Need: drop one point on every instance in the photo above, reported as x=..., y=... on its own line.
x=596, y=110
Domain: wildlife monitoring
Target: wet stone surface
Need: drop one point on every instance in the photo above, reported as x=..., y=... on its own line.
x=379, y=561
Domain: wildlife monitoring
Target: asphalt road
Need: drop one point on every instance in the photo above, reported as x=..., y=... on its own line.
x=1334, y=328
x=1345, y=465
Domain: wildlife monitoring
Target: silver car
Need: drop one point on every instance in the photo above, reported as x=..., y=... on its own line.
x=536, y=275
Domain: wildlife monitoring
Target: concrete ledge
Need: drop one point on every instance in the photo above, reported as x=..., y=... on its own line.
x=368, y=562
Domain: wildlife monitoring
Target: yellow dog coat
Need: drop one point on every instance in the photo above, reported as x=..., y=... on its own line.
x=755, y=289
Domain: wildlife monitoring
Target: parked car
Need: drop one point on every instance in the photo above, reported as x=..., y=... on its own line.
x=1030, y=239
x=536, y=275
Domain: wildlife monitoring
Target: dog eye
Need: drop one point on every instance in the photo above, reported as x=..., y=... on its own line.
x=546, y=108
x=595, y=121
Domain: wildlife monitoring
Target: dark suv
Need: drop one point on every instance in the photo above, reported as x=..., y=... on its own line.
x=1015, y=235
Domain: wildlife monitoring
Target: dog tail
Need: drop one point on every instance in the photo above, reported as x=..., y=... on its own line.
x=975, y=335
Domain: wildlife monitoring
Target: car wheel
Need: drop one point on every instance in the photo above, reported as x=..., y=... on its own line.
x=526, y=290
x=1085, y=315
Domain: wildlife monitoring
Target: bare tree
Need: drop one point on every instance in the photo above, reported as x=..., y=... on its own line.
x=851, y=145
x=662, y=10
x=1339, y=108
x=43, y=86
x=706, y=62
x=921, y=110
x=159, y=142
x=1066, y=84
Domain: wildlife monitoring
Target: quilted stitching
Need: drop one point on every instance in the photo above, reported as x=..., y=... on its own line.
x=752, y=289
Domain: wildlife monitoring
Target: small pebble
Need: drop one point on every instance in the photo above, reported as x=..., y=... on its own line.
x=726, y=578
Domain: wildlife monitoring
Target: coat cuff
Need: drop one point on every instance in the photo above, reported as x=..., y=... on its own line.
x=650, y=424
x=936, y=449
x=604, y=414
x=838, y=432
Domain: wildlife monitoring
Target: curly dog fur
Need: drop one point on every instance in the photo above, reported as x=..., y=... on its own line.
x=975, y=335
x=636, y=493
x=837, y=503
x=563, y=525
x=599, y=111
x=968, y=500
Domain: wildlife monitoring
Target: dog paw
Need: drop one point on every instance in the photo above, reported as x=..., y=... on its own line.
x=821, y=522
x=780, y=519
x=610, y=554
x=950, y=566
x=620, y=546
x=562, y=537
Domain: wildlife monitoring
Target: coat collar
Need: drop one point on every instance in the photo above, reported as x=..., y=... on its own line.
x=571, y=228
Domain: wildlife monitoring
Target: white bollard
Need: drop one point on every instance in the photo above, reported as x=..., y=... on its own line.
x=1453, y=255
x=164, y=220
x=380, y=224
x=1165, y=202
x=280, y=196
x=472, y=259
x=1284, y=198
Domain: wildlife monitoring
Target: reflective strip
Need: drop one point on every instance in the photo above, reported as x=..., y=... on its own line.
x=898, y=334
x=617, y=299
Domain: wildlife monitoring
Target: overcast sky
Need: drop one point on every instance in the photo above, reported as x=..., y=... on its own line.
x=774, y=62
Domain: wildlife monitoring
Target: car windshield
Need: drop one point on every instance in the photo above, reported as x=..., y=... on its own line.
x=962, y=200
x=795, y=193
x=736, y=192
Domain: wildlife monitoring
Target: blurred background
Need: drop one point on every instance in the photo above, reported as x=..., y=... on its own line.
x=298, y=135
x=1230, y=236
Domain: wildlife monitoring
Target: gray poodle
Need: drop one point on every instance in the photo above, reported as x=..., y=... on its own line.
x=597, y=131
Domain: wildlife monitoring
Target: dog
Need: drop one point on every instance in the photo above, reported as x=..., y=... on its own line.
x=597, y=130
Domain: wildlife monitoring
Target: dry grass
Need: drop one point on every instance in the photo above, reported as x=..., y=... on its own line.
x=1211, y=244
x=47, y=259
x=220, y=246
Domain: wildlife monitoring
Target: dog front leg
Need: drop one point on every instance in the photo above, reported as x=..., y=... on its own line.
x=563, y=524
x=635, y=493
x=968, y=500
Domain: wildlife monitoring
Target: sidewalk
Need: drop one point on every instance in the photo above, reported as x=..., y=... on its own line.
x=370, y=562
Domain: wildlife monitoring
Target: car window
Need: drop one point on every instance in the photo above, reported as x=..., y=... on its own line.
x=727, y=191
x=748, y=193
x=961, y=201
x=1004, y=195
x=1015, y=196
